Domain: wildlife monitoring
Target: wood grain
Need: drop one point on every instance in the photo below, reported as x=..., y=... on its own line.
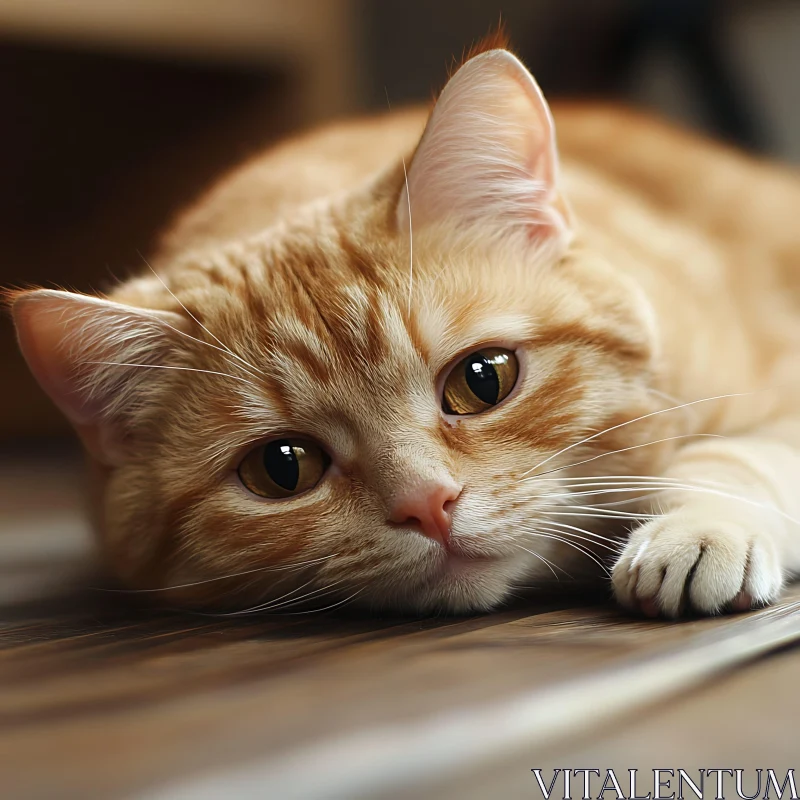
x=101, y=696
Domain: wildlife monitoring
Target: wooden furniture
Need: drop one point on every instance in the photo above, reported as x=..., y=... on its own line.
x=116, y=113
x=311, y=41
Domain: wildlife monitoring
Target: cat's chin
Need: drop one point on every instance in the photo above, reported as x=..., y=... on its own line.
x=467, y=585
x=461, y=565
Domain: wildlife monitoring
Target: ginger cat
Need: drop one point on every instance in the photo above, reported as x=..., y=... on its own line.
x=422, y=362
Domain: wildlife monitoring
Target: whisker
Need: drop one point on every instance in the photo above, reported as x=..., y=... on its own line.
x=638, y=482
x=548, y=535
x=571, y=530
x=631, y=422
x=623, y=450
x=263, y=606
x=282, y=603
x=582, y=511
x=180, y=303
x=288, y=603
x=299, y=565
x=410, y=240
x=546, y=562
x=326, y=608
x=626, y=501
x=605, y=504
x=255, y=374
x=181, y=369
x=316, y=594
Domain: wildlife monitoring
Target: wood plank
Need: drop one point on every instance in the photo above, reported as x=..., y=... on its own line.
x=744, y=719
x=429, y=755
x=125, y=699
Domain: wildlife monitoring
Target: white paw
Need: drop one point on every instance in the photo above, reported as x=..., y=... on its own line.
x=685, y=562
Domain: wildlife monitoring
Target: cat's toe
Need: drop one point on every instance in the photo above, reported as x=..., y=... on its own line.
x=653, y=572
x=764, y=577
x=679, y=564
x=725, y=579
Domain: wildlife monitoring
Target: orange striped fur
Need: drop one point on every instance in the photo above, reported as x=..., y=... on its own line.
x=645, y=269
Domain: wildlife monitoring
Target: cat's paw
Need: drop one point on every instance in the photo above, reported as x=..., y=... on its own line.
x=685, y=562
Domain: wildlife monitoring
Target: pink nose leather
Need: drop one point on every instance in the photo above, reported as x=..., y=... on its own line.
x=425, y=505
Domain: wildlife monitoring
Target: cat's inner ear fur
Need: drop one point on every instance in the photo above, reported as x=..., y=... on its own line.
x=488, y=154
x=82, y=351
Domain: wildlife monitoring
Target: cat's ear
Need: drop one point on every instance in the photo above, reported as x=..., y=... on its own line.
x=82, y=350
x=488, y=154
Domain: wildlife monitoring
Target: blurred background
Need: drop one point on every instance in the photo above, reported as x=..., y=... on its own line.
x=114, y=113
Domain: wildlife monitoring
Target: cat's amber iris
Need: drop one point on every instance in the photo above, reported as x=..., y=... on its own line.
x=480, y=381
x=283, y=468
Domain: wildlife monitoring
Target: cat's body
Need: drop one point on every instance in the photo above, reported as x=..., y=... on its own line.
x=327, y=288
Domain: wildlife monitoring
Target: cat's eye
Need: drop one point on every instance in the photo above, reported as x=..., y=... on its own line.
x=283, y=468
x=481, y=380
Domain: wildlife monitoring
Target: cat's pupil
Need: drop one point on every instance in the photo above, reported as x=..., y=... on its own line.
x=482, y=379
x=281, y=464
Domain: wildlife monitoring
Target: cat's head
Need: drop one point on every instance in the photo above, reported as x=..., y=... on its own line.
x=363, y=404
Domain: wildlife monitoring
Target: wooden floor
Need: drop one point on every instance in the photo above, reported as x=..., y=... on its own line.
x=103, y=698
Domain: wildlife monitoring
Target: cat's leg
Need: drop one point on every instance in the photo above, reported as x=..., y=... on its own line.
x=726, y=542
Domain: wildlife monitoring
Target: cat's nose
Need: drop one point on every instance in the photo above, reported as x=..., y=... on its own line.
x=428, y=506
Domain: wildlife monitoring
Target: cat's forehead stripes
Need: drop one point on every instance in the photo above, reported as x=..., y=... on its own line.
x=342, y=358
